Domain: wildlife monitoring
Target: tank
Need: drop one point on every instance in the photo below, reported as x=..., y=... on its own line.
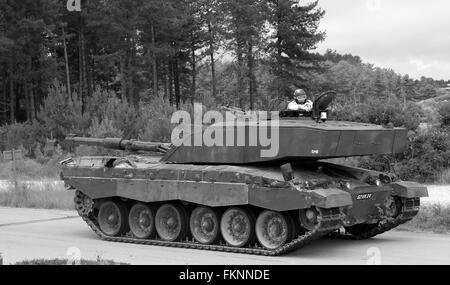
x=230, y=198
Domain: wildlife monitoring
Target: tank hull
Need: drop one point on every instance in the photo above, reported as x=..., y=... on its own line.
x=344, y=196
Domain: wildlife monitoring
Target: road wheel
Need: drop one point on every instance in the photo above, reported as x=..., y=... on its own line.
x=112, y=218
x=237, y=227
x=142, y=221
x=309, y=218
x=273, y=229
x=204, y=225
x=171, y=222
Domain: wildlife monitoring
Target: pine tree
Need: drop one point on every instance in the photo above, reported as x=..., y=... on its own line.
x=296, y=35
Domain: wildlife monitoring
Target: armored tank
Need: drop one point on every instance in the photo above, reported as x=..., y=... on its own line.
x=233, y=199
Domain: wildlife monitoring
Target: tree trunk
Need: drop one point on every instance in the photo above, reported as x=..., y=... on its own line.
x=28, y=86
x=251, y=74
x=194, y=71
x=66, y=59
x=279, y=67
x=88, y=74
x=170, y=66
x=154, y=66
x=213, y=64
x=27, y=99
x=32, y=103
x=166, y=86
x=240, y=81
x=3, y=108
x=130, y=73
x=86, y=93
x=123, y=82
x=84, y=87
x=12, y=95
x=176, y=77
x=92, y=73
x=80, y=63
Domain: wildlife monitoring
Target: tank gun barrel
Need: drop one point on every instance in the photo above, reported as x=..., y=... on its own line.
x=121, y=144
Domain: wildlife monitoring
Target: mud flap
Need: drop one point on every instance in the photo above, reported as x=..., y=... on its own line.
x=409, y=190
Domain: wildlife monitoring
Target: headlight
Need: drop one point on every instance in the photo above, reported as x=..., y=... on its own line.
x=378, y=183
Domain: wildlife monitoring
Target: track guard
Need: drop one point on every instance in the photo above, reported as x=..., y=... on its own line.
x=409, y=190
x=331, y=198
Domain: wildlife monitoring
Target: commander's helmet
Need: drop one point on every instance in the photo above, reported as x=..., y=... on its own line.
x=300, y=95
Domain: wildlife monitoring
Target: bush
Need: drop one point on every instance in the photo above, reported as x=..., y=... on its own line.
x=61, y=113
x=444, y=112
x=427, y=155
x=444, y=177
x=156, y=118
x=27, y=136
x=123, y=116
x=390, y=112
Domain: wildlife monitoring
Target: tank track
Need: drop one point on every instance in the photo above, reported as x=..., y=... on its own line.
x=408, y=212
x=330, y=220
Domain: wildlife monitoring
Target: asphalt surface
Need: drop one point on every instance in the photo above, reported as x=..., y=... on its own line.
x=28, y=234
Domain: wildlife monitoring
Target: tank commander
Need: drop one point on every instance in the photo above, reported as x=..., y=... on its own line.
x=300, y=102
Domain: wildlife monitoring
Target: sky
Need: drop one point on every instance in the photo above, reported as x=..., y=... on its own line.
x=410, y=36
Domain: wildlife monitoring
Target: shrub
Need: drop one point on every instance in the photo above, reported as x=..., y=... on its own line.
x=124, y=117
x=427, y=155
x=390, y=112
x=22, y=135
x=104, y=129
x=444, y=112
x=61, y=113
x=444, y=177
x=156, y=118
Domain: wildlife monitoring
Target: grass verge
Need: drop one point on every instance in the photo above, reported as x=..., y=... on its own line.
x=25, y=197
x=444, y=177
x=29, y=169
x=431, y=218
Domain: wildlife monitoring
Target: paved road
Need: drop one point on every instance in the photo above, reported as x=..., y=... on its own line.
x=28, y=234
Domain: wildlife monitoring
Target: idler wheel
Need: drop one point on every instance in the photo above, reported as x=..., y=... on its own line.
x=171, y=222
x=273, y=229
x=204, y=225
x=112, y=218
x=142, y=221
x=237, y=227
x=309, y=218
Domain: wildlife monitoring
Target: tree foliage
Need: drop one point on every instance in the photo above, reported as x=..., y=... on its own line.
x=121, y=67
